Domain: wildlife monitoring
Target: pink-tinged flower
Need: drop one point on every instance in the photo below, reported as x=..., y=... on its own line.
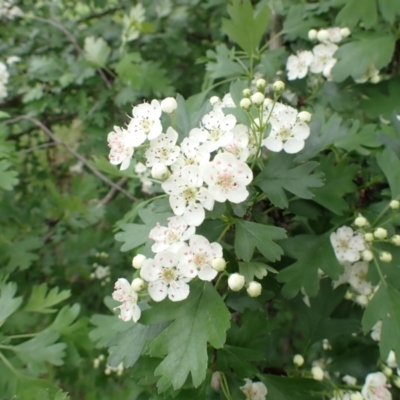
x=254, y=390
x=227, y=178
x=166, y=278
x=163, y=149
x=192, y=153
x=347, y=244
x=199, y=255
x=240, y=146
x=120, y=152
x=358, y=277
x=375, y=387
x=125, y=294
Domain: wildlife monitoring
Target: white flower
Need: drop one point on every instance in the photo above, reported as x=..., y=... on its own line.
x=254, y=390
x=188, y=197
x=140, y=168
x=342, y=396
x=216, y=131
x=169, y=105
x=358, y=278
x=323, y=60
x=192, y=153
x=166, y=278
x=350, y=380
x=375, y=387
x=171, y=237
x=3, y=91
x=391, y=359
x=13, y=59
x=125, y=294
x=240, y=146
x=163, y=149
x=297, y=65
x=345, y=32
x=347, y=244
x=335, y=35
x=376, y=331
x=120, y=152
x=287, y=132
x=226, y=102
x=145, y=123
x=200, y=255
x=4, y=75
x=227, y=178
x=345, y=276
x=370, y=75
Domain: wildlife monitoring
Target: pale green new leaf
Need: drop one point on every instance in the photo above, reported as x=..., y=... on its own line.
x=97, y=51
x=390, y=165
x=250, y=235
x=245, y=28
x=42, y=300
x=280, y=175
x=200, y=319
x=8, y=302
x=8, y=179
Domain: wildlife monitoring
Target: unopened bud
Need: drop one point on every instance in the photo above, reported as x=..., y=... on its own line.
x=245, y=103
x=356, y=396
x=218, y=264
x=385, y=256
x=386, y=370
x=246, y=92
x=254, y=289
x=391, y=359
x=257, y=98
x=317, y=373
x=344, y=32
x=395, y=240
x=376, y=79
x=298, y=360
x=101, y=357
x=278, y=87
x=215, y=100
x=96, y=363
x=304, y=116
x=348, y=295
x=260, y=84
x=160, y=172
x=169, y=105
x=396, y=381
x=362, y=300
x=380, y=233
x=312, y=34
x=323, y=35
x=236, y=282
x=138, y=261
x=367, y=255
x=267, y=102
x=326, y=345
x=369, y=237
x=138, y=284
x=394, y=204
x=360, y=221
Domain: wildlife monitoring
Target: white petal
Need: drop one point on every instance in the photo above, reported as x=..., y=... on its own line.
x=178, y=204
x=194, y=214
x=301, y=130
x=207, y=273
x=157, y=290
x=293, y=146
x=178, y=291
x=273, y=143
x=238, y=195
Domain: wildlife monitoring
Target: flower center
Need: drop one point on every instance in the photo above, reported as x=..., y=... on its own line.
x=172, y=237
x=168, y=275
x=215, y=134
x=225, y=181
x=200, y=260
x=285, y=133
x=190, y=194
x=343, y=244
x=146, y=124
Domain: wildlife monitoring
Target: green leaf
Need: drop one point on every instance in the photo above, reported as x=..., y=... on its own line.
x=389, y=163
x=250, y=235
x=254, y=269
x=389, y=9
x=8, y=179
x=297, y=22
x=182, y=118
x=129, y=69
x=20, y=253
x=201, y=318
x=97, y=51
x=358, y=10
x=271, y=62
x=134, y=235
x=224, y=65
x=360, y=50
x=41, y=301
x=279, y=176
x=360, y=140
x=312, y=253
x=385, y=306
x=339, y=182
x=8, y=303
x=245, y=28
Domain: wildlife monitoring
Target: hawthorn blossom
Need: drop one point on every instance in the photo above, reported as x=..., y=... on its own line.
x=335, y=34
x=287, y=132
x=297, y=65
x=192, y=153
x=199, y=255
x=128, y=297
x=371, y=74
x=376, y=331
x=358, y=280
x=345, y=276
x=347, y=244
x=227, y=178
x=216, y=130
x=121, y=152
x=226, y=102
x=342, y=396
x=145, y=123
x=254, y=390
x=241, y=146
x=166, y=278
x=188, y=197
x=375, y=387
x=163, y=149
x=171, y=237
x=323, y=60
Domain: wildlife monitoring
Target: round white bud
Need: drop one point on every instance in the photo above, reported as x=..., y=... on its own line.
x=395, y=240
x=160, y=172
x=215, y=100
x=385, y=256
x=386, y=370
x=246, y=92
x=348, y=295
x=317, y=373
x=236, y=282
x=304, y=116
x=245, y=103
x=138, y=261
x=257, y=98
x=138, y=284
x=362, y=300
x=278, y=86
x=298, y=360
x=254, y=289
x=344, y=32
x=396, y=381
x=312, y=34
x=376, y=79
x=367, y=255
x=369, y=237
x=323, y=35
x=360, y=221
x=326, y=345
x=267, y=102
x=218, y=264
x=169, y=105
x=261, y=83
x=101, y=357
x=394, y=204
x=356, y=396
x=391, y=359
x=380, y=233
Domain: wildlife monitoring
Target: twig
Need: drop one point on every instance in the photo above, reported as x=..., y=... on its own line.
x=55, y=139
x=111, y=193
x=99, y=14
x=38, y=147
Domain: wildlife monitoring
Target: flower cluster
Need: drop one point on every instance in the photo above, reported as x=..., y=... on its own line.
x=254, y=390
x=321, y=59
x=9, y=10
x=4, y=75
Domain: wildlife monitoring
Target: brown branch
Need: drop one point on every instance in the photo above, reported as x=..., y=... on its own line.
x=55, y=139
x=99, y=14
x=111, y=193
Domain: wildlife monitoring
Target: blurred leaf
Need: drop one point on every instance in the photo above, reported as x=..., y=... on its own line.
x=358, y=10
x=97, y=51
x=41, y=301
x=8, y=179
x=390, y=165
x=225, y=64
x=8, y=302
x=20, y=253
